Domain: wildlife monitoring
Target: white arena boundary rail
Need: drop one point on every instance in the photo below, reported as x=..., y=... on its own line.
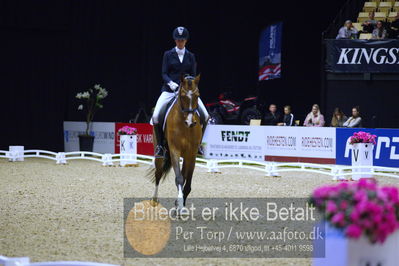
x=337, y=172
x=24, y=261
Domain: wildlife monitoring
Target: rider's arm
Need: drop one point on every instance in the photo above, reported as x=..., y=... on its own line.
x=165, y=76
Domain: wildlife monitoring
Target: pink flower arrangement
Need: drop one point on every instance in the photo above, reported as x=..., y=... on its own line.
x=360, y=208
x=362, y=137
x=126, y=130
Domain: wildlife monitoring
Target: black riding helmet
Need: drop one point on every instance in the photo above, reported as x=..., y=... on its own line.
x=180, y=33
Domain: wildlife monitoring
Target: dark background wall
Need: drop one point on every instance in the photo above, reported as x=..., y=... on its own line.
x=50, y=50
x=377, y=97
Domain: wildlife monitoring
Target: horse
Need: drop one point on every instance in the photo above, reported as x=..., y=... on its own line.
x=183, y=134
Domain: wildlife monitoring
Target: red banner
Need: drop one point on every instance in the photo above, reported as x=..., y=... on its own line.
x=144, y=138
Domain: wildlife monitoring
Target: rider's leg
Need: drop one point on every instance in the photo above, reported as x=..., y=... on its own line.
x=204, y=117
x=158, y=131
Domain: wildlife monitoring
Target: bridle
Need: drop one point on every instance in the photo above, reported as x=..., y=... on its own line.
x=187, y=110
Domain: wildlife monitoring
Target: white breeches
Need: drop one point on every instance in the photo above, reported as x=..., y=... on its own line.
x=165, y=98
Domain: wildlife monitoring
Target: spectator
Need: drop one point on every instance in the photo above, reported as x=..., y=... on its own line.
x=395, y=27
x=369, y=25
x=348, y=31
x=338, y=118
x=272, y=118
x=355, y=120
x=379, y=32
x=288, y=119
x=314, y=118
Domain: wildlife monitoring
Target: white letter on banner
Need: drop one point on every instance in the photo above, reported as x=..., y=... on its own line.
x=355, y=56
x=366, y=55
x=393, y=155
x=344, y=56
x=392, y=55
x=382, y=57
x=379, y=143
x=348, y=147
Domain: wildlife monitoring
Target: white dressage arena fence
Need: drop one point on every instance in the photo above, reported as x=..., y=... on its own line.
x=337, y=172
x=24, y=261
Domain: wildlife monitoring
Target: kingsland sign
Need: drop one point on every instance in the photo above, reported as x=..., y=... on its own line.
x=378, y=56
x=357, y=56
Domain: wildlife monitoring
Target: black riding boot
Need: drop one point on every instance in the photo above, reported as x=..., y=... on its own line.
x=200, y=148
x=159, y=149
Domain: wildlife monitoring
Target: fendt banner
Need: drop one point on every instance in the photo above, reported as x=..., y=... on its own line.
x=362, y=56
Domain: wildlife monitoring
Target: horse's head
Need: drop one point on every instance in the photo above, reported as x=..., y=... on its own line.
x=188, y=99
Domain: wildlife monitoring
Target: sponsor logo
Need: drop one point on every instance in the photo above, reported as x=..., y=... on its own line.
x=281, y=141
x=144, y=138
x=378, y=56
x=383, y=144
x=317, y=142
x=235, y=136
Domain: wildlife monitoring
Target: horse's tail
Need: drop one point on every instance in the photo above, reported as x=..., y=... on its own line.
x=166, y=166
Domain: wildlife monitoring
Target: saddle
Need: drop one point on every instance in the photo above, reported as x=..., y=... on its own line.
x=163, y=114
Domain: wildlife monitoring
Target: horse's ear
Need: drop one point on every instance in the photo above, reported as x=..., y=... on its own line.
x=197, y=78
x=181, y=79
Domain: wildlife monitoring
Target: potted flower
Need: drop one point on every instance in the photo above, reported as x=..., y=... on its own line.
x=92, y=101
x=362, y=152
x=361, y=220
x=128, y=145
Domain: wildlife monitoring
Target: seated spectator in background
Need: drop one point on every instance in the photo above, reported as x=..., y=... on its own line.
x=379, y=32
x=394, y=33
x=370, y=24
x=314, y=118
x=355, y=120
x=288, y=119
x=348, y=31
x=338, y=118
x=272, y=118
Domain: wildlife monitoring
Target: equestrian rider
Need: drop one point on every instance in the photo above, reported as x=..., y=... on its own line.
x=177, y=62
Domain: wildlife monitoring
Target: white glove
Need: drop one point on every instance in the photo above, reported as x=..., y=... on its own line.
x=173, y=85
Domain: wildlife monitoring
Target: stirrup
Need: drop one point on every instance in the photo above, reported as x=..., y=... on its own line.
x=159, y=151
x=201, y=150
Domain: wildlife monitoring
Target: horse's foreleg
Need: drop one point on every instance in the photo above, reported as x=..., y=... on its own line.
x=175, y=160
x=188, y=170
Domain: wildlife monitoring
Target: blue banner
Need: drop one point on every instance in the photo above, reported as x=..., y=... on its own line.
x=386, y=151
x=270, y=52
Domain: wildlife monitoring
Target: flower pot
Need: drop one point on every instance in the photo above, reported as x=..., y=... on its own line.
x=86, y=143
x=362, y=155
x=343, y=251
x=128, y=149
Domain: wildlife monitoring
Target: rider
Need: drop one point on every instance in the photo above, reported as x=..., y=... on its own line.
x=177, y=62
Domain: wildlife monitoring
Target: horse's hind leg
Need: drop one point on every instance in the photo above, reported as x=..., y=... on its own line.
x=158, y=175
x=188, y=170
x=179, y=180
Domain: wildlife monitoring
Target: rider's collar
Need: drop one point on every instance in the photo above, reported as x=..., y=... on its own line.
x=180, y=51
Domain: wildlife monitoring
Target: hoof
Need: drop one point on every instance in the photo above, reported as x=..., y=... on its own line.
x=154, y=202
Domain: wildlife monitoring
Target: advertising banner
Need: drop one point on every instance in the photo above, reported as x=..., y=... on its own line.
x=104, y=133
x=234, y=142
x=300, y=144
x=144, y=137
x=270, y=52
x=362, y=56
x=386, y=151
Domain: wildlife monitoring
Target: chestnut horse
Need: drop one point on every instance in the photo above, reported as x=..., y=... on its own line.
x=183, y=135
